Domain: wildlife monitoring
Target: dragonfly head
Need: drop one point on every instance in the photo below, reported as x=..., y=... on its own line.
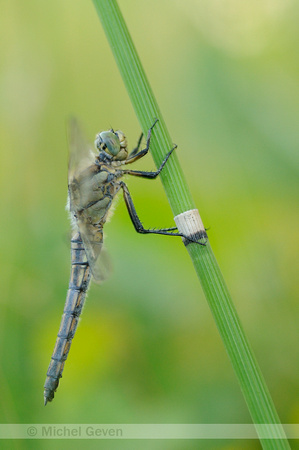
x=113, y=144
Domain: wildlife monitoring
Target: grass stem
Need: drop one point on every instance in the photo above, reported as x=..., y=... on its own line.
x=252, y=383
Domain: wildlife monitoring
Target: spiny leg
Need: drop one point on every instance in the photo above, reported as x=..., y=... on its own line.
x=136, y=149
x=150, y=175
x=143, y=152
x=138, y=225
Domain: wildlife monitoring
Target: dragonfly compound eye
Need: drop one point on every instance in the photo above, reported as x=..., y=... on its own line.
x=109, y=142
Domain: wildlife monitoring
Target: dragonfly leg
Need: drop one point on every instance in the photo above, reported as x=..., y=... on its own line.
x=136, y=149
x=135, y=156
x=164, y=231
x=150, y=175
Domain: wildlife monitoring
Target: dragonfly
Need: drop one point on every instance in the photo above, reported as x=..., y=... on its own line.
x=94, y=179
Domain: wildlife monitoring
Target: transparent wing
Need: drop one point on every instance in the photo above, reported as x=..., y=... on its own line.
x=97, y=255
x=81, y=155
x=80, y=173
x=103, y=264
x=104, y=267
x=93, y=243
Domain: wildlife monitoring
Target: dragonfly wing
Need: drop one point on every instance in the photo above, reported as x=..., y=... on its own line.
x=103, y=266
x=81, y=170
x=97, y=255
x=81, y=153
x=92, y=239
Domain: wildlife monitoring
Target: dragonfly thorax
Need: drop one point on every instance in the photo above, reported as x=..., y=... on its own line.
x=112, y=145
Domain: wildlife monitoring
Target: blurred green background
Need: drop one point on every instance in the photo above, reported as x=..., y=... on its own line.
x=225, y=75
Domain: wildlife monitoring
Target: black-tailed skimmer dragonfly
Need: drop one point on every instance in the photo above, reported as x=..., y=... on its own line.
x=93, y=182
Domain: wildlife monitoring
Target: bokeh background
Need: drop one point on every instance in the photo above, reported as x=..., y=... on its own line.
x=225, y=74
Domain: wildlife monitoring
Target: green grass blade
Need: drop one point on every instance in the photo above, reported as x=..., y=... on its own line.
x=252, y=383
